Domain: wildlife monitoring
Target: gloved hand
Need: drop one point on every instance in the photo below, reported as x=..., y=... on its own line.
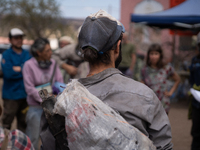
x=58, y=87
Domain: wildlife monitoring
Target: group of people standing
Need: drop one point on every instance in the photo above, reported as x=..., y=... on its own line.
x=25, y=74
x=22, y=73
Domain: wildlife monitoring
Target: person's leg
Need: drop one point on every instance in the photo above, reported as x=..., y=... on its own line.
x=195, y=129
x=9, y=112
x=21, y=115
x=33, y=118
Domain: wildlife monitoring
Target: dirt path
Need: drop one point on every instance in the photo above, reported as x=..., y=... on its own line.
x=181, y=126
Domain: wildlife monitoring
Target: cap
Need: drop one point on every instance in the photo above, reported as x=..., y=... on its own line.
x=16, y=32
x=198, y=38
x=66, y=38
x=100, y=31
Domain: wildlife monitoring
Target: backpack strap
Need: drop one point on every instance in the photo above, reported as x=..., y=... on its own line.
x=54, y=70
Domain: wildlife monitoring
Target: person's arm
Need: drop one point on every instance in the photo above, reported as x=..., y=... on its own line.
x=177, y=80
x=133, y=60
x=159, y=127
x=29, y=83
x=71, y=70
x=58, y=75
x=61, y=55
x=130, y=70
x=10, y=71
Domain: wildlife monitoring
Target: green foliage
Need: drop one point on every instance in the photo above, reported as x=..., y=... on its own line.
x=37, y=18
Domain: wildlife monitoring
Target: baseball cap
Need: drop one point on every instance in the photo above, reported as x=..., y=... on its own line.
x=16, y=32
x=100, y=31
x=198, y=38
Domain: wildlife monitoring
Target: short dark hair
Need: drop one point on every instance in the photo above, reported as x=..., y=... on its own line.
x=155, y=47
x=94, y=57
x=38, y=45
x=9, y=35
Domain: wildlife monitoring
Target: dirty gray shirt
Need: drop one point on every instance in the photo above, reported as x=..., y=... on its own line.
x=137, y=103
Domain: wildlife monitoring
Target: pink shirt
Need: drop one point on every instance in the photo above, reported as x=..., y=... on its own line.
x=33, y=76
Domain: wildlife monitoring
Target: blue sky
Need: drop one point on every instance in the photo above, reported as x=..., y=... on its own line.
x=83, y=8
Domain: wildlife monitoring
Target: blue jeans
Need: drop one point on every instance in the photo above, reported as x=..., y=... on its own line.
x=33, y=118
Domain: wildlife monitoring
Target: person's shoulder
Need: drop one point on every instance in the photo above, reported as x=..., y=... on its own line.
x=144, y=68
x=53, y=61
x=25, y=51
x=168, y=67
x=29, y=62
x=7, y=52
x=69, y=47
x=196, y=59
x=128, y=85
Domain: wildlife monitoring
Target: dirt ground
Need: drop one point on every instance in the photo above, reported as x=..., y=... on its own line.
x=180, y=124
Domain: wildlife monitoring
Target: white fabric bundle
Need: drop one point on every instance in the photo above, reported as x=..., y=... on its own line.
x=92, y=125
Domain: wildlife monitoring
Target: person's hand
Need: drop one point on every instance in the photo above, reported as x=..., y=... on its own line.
x=72, y=71
x=17, y=68
x=168, y=94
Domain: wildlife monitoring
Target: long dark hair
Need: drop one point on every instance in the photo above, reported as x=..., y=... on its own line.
x=155, y=47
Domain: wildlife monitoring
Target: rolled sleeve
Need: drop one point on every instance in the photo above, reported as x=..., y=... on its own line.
x=58, y=76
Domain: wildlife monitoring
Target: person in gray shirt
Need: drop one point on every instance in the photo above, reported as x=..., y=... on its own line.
x=100, y=40
x=74, y=66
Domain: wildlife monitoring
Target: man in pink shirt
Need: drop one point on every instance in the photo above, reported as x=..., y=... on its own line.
x=37, y=71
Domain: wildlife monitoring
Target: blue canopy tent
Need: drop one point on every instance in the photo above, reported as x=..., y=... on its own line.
x=185, y=16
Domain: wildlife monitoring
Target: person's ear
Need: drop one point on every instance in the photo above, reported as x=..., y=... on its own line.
x=10, y=40
x=38, y=53
x=118, y=47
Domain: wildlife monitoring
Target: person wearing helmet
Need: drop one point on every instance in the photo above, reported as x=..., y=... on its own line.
x=100, y=41
x=13, y=91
